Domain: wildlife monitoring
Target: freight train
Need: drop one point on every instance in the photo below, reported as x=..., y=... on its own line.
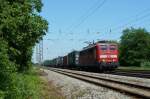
x=102, y=56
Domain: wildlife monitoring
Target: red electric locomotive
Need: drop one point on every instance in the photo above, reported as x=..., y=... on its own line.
x=101, y=55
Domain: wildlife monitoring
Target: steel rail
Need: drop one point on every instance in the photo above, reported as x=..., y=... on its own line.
x=131, y=74
x=130, y=88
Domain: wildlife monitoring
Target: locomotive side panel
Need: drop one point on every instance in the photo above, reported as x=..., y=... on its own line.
x=87, y=57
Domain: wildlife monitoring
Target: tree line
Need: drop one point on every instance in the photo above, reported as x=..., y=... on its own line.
x=21, y=27
x=134, y=47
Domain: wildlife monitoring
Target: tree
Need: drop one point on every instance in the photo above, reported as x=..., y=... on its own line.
x=6, y=67
x=22, y=27
x=134, y=46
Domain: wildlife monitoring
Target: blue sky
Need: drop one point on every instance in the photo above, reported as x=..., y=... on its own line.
x=72, y=22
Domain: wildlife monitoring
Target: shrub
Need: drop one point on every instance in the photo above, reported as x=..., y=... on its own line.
x=15, y=85
x=145, y=64
x=1, y=94
x=24, y=86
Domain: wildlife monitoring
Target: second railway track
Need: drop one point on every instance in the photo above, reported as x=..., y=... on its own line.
x=131, y=74
x=133, y=88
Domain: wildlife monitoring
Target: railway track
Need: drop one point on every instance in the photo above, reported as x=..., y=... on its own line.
x=126, y=86
x=132, y=74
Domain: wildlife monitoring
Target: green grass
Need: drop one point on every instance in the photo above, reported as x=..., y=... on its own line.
x=25, y=86
x=30, y=85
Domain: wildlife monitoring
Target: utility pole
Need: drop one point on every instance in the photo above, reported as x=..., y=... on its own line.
x=39, y=52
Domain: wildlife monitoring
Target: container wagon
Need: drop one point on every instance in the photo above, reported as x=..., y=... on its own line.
x=73, y=59
x=65, y=61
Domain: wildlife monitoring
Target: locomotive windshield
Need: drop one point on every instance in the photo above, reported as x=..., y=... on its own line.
x=112, y=47
x=103, y=47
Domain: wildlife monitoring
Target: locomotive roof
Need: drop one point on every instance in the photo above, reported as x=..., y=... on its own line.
x=93, y=45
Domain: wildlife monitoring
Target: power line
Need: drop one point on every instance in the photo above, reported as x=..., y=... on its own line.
x=133, y=25
x=88, y=13
x=91, y=11
x=135, y=20
x=121, y=26
x=129, y=18
x=139, y=17
x=80, y=18
x=148, y=20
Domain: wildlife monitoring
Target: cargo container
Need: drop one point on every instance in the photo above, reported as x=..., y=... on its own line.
x=59, y=61
x=73, y=59
x=65, y=61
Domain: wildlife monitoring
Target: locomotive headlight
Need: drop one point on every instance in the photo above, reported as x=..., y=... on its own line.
x=103, y=60
x=113, y=56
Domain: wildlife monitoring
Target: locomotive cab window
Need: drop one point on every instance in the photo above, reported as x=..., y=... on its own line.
x=112, y=47
x=103, y=47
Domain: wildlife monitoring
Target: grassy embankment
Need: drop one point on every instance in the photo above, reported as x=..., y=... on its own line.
x=31, y=86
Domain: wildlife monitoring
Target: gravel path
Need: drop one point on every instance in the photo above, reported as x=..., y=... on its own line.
x=77, y=89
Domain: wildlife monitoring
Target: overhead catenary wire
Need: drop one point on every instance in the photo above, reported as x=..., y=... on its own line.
x=81, y=17
x=88, y=13
x=135, y=18
x=139, y=17
x=128, y=18
x=112, y=30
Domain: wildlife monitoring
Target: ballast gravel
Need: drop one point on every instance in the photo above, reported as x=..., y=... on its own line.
x=76, y=89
